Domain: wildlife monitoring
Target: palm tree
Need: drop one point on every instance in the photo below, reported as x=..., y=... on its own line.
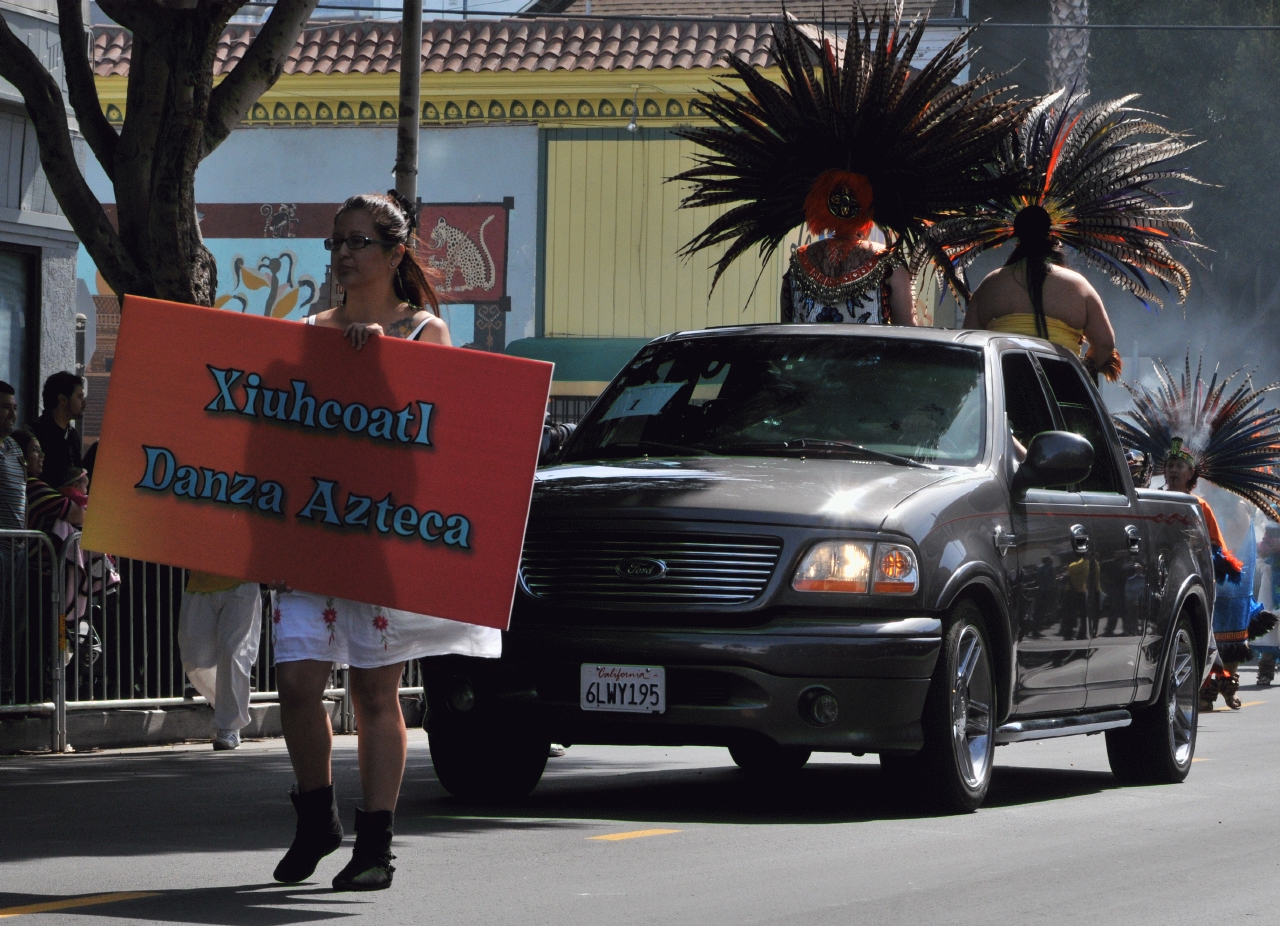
x=1069, y=48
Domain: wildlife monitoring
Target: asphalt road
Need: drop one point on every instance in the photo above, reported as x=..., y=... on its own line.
x=198, y=833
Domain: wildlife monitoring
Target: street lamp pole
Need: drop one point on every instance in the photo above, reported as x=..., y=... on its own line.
x=410, y=100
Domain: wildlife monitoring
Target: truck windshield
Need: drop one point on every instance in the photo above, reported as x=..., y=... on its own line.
x=876, y=398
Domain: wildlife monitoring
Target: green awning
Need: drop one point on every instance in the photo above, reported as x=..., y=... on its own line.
x=584, y=366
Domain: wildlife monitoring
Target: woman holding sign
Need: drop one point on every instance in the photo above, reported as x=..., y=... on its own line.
x=387, y=295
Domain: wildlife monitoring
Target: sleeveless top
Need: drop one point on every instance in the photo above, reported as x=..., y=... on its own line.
x=1024, y=323
x=413, y=336
x=857, y=297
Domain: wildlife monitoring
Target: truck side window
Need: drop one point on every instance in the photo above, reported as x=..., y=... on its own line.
x=1024, y=400
x=1080, y=413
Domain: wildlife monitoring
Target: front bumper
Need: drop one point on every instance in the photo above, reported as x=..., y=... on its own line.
x=723, y=685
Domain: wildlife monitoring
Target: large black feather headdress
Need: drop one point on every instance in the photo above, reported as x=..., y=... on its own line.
x=918, y=140
x=1224, y=433
x=1087, y=169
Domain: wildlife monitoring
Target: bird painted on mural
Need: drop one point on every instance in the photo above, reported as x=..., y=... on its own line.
x=282, y=295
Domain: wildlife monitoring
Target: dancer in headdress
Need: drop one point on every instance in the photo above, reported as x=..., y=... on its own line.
x=1194, y=430
x=851, y=138
x=1088, y=185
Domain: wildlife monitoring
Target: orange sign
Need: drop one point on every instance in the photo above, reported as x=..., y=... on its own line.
x=398, y=475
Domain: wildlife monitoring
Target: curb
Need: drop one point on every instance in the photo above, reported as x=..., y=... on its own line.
x=124, y=727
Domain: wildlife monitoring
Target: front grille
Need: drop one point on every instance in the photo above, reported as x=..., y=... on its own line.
x=700, y=569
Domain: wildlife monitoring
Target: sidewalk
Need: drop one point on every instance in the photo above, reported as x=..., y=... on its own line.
x=122, y=727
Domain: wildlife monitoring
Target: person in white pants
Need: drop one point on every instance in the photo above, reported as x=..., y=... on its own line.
x=219, y=628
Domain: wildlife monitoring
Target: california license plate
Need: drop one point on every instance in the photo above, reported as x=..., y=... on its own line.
x=632, y=689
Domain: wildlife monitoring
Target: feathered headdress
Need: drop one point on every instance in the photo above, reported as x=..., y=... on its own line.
x=900, y=149
x=1084, y=168
x=1226, y=436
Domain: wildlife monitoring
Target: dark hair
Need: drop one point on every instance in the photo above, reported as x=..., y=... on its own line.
x=6, y=389
x=392, y=221
x=24, y=436
x=1032, y=227
x=59, y=384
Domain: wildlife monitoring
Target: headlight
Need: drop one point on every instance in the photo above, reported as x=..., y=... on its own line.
x=835, y=566
x=896, y=572
x=851, y=567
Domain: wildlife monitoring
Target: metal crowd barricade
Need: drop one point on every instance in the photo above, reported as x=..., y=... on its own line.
x=33, y=626
x=106, y=636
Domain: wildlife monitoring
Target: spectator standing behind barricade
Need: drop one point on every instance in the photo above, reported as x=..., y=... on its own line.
x=13, y=561
x=63, y=398
x=219, y=628
x=46, y=506
x=76, y=487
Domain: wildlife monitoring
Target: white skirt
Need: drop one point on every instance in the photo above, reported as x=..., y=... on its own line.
x=365, y=636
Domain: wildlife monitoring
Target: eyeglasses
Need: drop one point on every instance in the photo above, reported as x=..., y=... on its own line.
x=354, y=243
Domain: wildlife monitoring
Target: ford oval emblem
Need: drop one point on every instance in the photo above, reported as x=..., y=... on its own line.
x=641, y=569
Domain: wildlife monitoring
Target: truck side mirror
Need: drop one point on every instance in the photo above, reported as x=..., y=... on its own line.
x=1055, y=458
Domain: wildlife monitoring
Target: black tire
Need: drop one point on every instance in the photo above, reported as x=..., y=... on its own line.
x=484, y=763
x=769, y=760
x=1157, y=748
x=954, y=767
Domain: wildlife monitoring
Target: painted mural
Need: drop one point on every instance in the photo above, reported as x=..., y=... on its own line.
x=271, y=260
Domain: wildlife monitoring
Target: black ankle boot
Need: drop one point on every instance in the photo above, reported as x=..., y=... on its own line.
x=370, y=868
x=319, y=833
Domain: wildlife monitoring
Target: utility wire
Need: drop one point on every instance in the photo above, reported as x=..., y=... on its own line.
x=772, y=17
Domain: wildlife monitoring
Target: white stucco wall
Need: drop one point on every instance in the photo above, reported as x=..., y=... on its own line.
x=299, y=165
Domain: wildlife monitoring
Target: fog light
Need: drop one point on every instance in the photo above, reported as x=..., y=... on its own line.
x=463, y=697
x=819, y=706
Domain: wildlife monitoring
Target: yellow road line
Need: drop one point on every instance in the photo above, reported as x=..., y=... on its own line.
x=1201, y=760
x=72, y=902
x=634, y=834
x=1227, y=710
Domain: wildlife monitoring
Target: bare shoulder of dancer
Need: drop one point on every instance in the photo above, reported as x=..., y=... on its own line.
x=989, y=299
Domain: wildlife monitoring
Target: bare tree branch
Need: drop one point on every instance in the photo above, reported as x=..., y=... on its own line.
x=256, y=72
x=146, y=102
x=47, y=111
x=98, y=132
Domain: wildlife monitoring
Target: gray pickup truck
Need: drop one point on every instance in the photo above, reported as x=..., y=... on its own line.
x=781, y=539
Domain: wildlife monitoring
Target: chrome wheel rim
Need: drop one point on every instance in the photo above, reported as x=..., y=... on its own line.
x=1181, y=692
x=971, y=716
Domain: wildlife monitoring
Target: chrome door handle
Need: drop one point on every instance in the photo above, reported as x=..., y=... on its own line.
x=1079, y=538
x=1004, y=542
x=1135, y=539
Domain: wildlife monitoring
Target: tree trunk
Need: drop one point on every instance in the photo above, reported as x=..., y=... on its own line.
x=170, y=81
x=175, y=117
x=1069, y=48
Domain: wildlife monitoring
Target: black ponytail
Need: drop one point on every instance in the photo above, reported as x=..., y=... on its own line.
x=1036, y=246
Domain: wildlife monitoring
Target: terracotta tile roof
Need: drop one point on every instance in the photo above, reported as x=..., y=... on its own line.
x=495, y=45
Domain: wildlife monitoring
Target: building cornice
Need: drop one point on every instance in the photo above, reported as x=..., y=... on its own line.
x=550, y=99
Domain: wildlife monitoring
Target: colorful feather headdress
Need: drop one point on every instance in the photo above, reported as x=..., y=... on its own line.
x=1224, y=433
x=915, y=144
x=1083, y=166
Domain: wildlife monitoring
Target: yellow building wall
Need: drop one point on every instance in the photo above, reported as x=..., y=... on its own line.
x=613, y=227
